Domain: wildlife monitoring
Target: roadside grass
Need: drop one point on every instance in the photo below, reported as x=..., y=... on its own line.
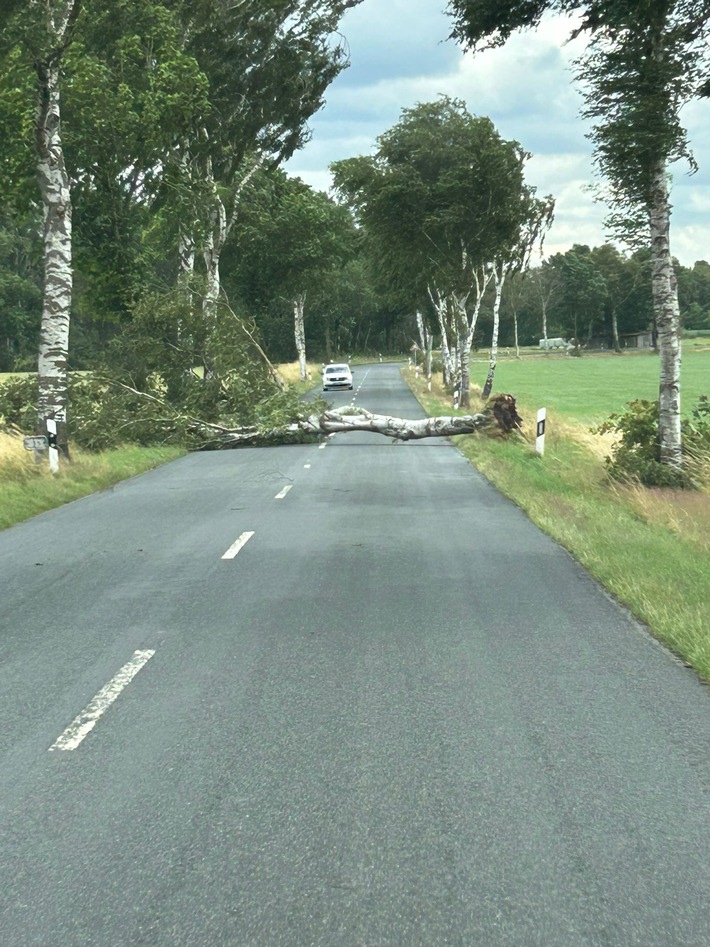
x=649, y=547
x=290, y=372
x=27, y=488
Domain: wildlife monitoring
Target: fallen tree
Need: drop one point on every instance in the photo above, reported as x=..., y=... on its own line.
x=107, y=412
x=500, y=416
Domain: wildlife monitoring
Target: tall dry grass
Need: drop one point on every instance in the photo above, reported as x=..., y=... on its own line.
x=18, y=465
x=290, y=372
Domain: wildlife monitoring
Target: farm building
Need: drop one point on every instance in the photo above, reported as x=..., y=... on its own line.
x=638, y=340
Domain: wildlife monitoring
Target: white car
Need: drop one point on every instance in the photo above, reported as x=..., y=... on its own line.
x=337, y=376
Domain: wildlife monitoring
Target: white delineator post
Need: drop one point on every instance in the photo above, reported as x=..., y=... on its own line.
x=52, y=442
x=540, y=438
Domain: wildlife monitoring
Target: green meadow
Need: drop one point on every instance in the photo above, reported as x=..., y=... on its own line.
x=592, y=387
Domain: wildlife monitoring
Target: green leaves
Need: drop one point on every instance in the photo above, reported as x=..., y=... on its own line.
x=442, y=196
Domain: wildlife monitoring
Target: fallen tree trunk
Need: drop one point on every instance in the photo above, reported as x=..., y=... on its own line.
x=401, y=429
x=500, y=415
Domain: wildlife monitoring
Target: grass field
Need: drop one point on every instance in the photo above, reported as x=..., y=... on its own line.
x=591, y=388
x=649, y=547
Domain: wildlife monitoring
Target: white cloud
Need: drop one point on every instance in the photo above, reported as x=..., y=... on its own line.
x=400, y=58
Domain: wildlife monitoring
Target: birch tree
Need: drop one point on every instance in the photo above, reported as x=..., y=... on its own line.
x=440, y=198
x=644, y=61
x=269, y=63
x=44, y=30
x=535, y=220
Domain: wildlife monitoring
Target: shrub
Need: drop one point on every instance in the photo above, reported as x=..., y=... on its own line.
x=637, y=453
x=167, y=377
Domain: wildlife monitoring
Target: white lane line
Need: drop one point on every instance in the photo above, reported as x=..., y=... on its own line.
x=86, y=721
x=236, y=546
x=322, y=446
x=280, y=496
x=306, y=466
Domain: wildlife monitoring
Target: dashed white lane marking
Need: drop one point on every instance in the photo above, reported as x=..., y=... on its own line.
x=306, y=466
x=282, y=494
x=357, y=392
x=86, y=721
x=322, y=446
x=239, y=544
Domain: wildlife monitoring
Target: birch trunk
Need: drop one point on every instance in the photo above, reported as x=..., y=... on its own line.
x=300, y=334
x=500, y=415
x=52, y=364
x=543, y=303
x=499, y=273
x=220, y=224
x=426, y=337
x=665, y=305
x=186, y=239
x=447, y=362
x=481, y=284
x=211, y=253
x=186, y=257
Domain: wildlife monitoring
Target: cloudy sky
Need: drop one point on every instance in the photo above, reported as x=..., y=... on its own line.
x=400, y=56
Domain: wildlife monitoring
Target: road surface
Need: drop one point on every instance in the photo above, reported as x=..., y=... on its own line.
x=344, y=696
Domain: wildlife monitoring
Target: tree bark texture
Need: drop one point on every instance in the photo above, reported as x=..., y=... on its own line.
x=665, y=304
x=469, y=321
x=55, y=192
x=401, y=429
x=211, y=252
x=299, y=332
x=426, y=337
x=220, y=224
x=186, y=256
x=500, y=271
x=447, y=362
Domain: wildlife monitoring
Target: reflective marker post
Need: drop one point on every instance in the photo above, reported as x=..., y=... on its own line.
x=540, y=438
x=52, y=441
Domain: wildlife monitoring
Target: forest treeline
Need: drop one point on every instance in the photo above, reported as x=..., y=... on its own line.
x=580, y=291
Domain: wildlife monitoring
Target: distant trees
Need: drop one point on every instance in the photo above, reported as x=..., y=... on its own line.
x=644, y=61
x=445, y=207
x=292, y=244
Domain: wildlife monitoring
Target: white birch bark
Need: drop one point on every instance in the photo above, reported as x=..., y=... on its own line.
x=440, y=308
x=299, y=332
x=665, y=304
x=402, y=429
x=426, y=338
x=500, y=271
x=543, y=303
x=220, y=225
x=187, y=248
x=481, y=280
x=52, y=365
x=215, y=237
x=186, y=256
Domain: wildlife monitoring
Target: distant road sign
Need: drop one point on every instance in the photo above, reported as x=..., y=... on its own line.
x=39, y=442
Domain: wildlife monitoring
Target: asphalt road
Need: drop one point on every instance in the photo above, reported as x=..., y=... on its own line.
x=396, y=715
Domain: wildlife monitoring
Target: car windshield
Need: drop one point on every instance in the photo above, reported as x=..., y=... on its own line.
x=331, y=369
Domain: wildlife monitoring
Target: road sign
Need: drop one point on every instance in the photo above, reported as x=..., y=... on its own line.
x=39, y=442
